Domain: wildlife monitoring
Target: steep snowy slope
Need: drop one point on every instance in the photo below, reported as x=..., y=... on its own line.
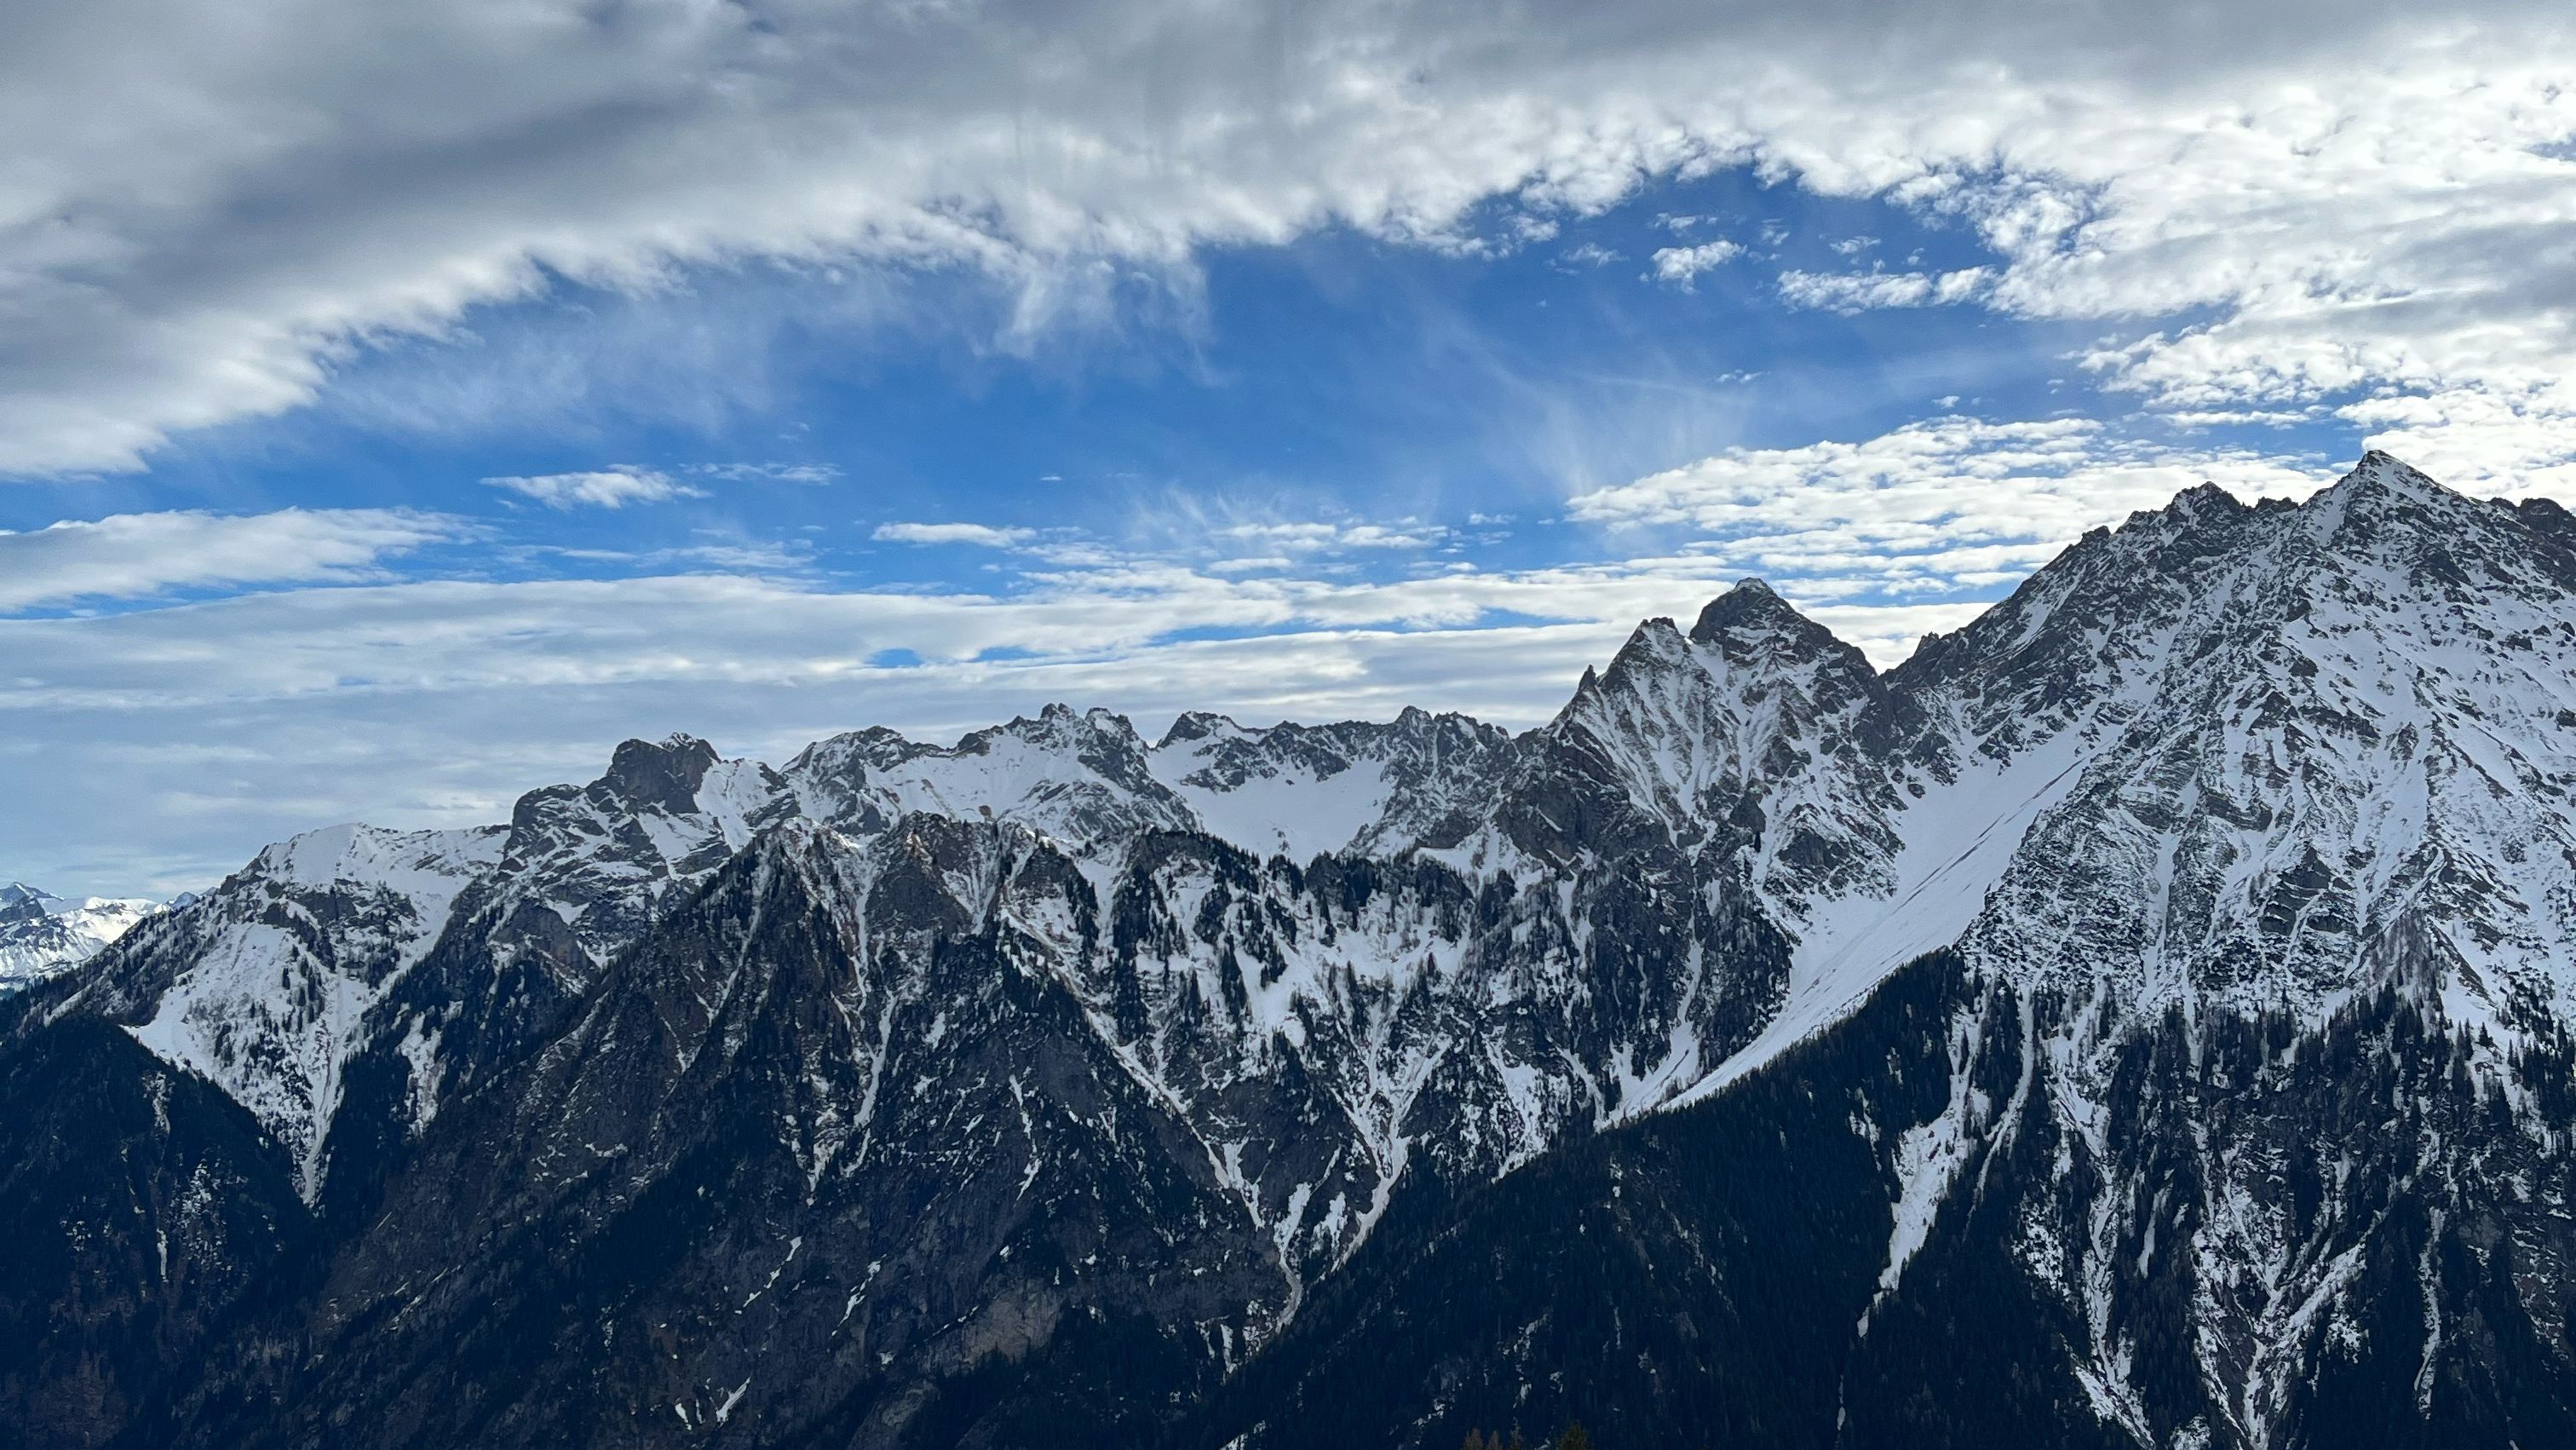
x=263, y=985
x=354, y=941
x=2252, y=754
x=2350, y=754
x=1308, y=790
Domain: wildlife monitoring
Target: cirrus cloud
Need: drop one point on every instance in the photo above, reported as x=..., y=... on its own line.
x=137, y=556
x=607, y=488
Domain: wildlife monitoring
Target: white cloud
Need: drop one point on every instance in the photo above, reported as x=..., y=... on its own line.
x=1678, y=265
x=209, y=209
x=608, y=488
x=981, y=535
x=1947, y=505
x=136, y=556
x=807, y=473
x=1312, y=536
x=1862, y=291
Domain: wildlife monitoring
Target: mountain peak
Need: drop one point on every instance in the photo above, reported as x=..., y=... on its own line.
x=2391, y=472
x=2204, y=499
x=664, y=773
x=2380, y=480
x=1198, y=725
x=1654, y=645
x=1750, y=620
x=1087, y=735
x=1750, y=600
x=2195, y=508
x=1058, y=720
x=2396, y=518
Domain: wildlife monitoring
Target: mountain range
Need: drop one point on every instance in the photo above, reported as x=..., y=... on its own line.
x=2139, y=1018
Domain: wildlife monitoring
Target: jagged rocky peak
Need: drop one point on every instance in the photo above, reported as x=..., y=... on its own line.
x=599, y=856
x=853, y=752
x=1751, y=617
x=831, y=778
x=1749, y=637
x=1062, y=721
x=2108, y=612
x=1752, y=628
x=2549, y=521
x=2387, y=532
x=2388, y=481
x=659, y=774
x=1192, y=725
x=1759, y=732
x=1654, y=649
x=2075, y=645
x=679, y=776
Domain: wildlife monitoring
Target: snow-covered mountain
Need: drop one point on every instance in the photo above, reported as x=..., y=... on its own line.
x=896, y=1094
x=42, y=934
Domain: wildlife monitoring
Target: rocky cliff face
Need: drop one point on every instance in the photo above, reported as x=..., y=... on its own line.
x=1248, y=1084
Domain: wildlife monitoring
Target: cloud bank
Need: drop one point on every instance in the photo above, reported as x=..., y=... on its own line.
x=137, y=556
x=207, y=209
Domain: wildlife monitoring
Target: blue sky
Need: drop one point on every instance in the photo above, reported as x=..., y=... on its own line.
x=392, y=421
x=1335, y=377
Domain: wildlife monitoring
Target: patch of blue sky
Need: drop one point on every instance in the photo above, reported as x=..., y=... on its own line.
x=1337, y=378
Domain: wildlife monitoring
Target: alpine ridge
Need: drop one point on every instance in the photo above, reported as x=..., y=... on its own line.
x=2140, y=1018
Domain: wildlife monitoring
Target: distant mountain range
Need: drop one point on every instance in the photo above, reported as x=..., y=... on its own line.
x=41, y=934
x=2140, y=1018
